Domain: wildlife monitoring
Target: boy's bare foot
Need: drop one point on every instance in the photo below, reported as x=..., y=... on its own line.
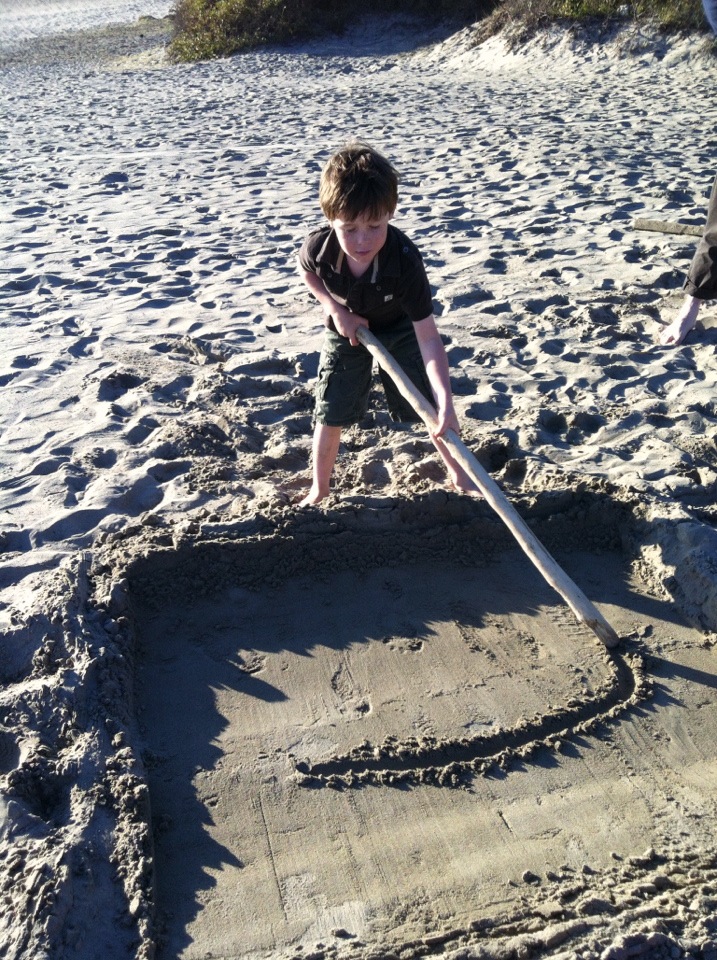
x=458, y=478
x=468, y=491
x=313, y=497
x=463, y=483
x=675, y=332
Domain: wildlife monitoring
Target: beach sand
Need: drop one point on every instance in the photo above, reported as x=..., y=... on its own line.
x=231, y=728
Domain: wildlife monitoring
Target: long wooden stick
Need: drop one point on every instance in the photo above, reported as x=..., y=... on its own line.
x=668, y=226
x=557, y=578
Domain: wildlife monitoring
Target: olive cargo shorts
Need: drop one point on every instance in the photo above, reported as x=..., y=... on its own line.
x=344, y=379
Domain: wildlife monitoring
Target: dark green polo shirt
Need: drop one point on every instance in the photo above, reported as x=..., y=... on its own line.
x=394, y=287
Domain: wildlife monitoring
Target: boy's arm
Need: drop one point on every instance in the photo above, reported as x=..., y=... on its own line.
x=436, y=362
x=345, y=322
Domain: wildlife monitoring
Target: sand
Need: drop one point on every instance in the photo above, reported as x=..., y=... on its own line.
x=231, y=728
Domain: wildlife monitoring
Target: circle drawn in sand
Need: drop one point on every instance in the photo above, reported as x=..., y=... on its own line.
x=449, y=762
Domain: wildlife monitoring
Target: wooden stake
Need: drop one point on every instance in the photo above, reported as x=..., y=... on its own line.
x=667, y=226
x=557, y=578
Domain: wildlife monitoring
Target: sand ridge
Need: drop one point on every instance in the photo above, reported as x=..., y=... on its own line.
x=155, y=401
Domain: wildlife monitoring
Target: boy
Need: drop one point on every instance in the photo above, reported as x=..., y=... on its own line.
x=366, y=272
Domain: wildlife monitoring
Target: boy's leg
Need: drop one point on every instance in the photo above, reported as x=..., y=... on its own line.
x=403, y=347
x=459, y=478
x=325, y=449
x=342, y=389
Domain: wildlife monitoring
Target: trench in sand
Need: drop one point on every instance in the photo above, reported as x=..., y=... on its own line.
x=307, y=697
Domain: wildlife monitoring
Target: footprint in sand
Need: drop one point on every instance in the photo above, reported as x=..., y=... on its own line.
x=22, y=284
x=102, y=459
x=554, y=348
x=588, y=423
x=471, y=297
x=463, y=386
x=138, y=433
x=117, y=384
x=496, y=263
x=494, y=408
x=115, y=179
x=620, y=371
x=501, y=306
x=547, y=386
x=351, y=702
x=36, y=210
x=81, y=347
x=553, y=422
x=539, y=305
x=166, y=472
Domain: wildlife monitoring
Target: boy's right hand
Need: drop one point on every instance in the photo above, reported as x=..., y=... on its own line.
x=347, y=323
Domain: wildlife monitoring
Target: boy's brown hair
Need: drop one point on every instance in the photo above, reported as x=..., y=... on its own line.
x=357, y=181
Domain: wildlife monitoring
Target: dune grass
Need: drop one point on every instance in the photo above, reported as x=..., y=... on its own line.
x=215, y=28
x=669, y=15
x=218, y=28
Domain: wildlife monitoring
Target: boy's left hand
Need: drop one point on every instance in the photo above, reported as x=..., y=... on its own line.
x=447, y=420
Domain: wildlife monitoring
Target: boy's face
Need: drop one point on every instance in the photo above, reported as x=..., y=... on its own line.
x=361, y=239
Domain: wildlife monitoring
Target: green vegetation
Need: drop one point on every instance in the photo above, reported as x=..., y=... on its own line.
x=219, y=28
x=528, y=15
x=671, y=14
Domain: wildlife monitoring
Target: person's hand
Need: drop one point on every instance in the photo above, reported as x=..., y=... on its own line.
x=447, y=420
x=347, y=324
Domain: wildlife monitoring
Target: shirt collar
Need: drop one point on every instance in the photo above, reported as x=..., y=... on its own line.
x=385, y=263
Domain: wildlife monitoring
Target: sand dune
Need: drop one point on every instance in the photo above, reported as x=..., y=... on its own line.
x=231, y=728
